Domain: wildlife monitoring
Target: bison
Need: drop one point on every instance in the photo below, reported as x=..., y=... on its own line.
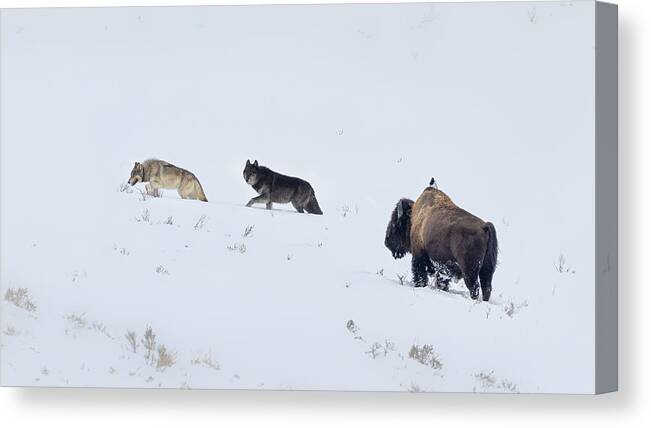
x=444, y=240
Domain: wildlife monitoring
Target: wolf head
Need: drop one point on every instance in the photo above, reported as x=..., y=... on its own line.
x=137, y=174
x=251, y=172
x=397, y=239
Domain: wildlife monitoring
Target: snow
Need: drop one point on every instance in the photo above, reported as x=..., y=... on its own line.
x=366, y=103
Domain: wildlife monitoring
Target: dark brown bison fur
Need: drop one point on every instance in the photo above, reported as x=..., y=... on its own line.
x=443, y=237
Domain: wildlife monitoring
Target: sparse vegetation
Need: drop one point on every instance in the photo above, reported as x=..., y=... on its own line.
x=248, y=231
x=77, y=276
x=374, y=350
x=21, y=298
x=353, y=329
x=239, y=248
x=401, y=278
x=426, y=356
x=10, y=331
x=77, y=321
x=123, y=251
x=169, y=221
x=149, y=343
x=132, y=341
x=206, y=360
x=100, y=328
x=201, y=222
x=415, y=388
x=488, y=380
x=511, y=308
x=160, y=269
x=125, y=188
x=144, y=217
x=561, y=265
x=388, y=347
x=380, y=272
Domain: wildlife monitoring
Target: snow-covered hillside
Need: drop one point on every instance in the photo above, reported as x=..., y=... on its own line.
x=367, y=108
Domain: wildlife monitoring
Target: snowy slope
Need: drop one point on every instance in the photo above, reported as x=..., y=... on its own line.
x=367, y=108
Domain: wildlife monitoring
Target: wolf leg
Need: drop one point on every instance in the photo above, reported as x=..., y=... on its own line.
x=262, y=199
x=152, y=190
x=297, y=207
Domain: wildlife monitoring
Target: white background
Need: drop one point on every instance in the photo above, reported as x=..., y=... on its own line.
x=80, y=407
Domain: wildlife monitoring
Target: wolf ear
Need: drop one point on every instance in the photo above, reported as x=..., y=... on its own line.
x=136, y=164
x=248, y=162
x=255, y=163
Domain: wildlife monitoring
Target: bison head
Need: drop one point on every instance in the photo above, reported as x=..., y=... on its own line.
x=397, y=238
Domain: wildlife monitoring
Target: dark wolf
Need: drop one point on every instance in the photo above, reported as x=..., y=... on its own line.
x=440, y=235
x=281, y=189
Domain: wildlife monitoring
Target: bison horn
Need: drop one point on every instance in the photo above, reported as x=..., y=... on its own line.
x=400, y=209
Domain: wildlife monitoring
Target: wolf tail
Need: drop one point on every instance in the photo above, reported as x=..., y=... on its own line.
x=490, y=258
x=312, y=205
x=200, y=195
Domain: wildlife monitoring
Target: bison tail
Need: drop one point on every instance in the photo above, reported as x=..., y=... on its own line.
x=490, y=258
x=312, y=205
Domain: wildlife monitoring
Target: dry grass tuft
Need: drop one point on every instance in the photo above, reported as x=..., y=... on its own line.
x=21, y=298
x=426, y=356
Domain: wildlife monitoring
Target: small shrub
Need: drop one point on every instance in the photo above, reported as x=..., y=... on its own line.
x=165, y=358
x=401, y=278
x=21, y=298
x=426, y=356
x=374, y=350
x=132, y=341
x=149, y=343
x=388, y=347
x=170, y=221
x=380, y=272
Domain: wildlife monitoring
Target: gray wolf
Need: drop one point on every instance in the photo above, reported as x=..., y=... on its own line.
x=440, y=235
x=282, y=189
x=159, y=174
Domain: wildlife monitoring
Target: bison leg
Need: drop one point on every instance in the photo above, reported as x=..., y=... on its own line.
x=443, y=278
x=419, y=266
x=470, y=277
x=486, y=278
